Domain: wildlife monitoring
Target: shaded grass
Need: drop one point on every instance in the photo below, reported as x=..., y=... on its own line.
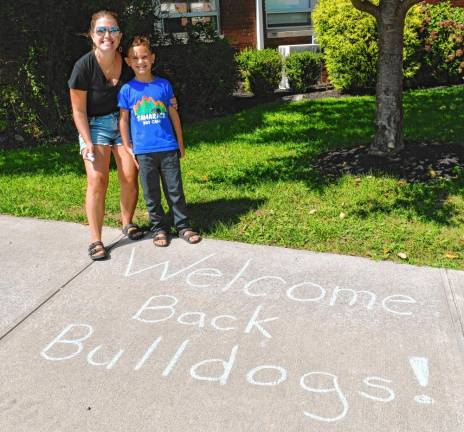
x=248, y=177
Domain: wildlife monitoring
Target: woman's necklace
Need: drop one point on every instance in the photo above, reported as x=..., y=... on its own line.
x=111, y=70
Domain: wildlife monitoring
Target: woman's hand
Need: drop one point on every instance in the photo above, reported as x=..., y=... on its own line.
x=87, y=153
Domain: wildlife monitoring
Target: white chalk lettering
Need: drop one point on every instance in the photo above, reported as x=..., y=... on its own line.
x=76, y=342
x=222, y=317
x=397, y=299
x=148, y=353
x=164, y=276
x=237, y=276
x=109, y=364
x=175, y=358
x=251, y=375
x=246, y=288
x=199, y=321
x=255, y=323
x=334, y=388
x=146, y=307
x=391, y=393
x=226, y=365
x=354, y=296
x=291, y=296
x=209, y=272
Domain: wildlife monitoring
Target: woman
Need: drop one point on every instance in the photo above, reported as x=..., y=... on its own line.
x=94, y=84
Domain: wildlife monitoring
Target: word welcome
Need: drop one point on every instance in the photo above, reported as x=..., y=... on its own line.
x=305, y=292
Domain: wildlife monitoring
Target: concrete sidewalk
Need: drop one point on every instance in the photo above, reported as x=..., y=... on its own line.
x=222, y=336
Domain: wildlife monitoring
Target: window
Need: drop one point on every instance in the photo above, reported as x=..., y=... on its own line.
x=176, y=15
x=288, y=13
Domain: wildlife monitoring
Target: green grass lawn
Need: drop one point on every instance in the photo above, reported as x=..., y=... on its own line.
x=248, y=178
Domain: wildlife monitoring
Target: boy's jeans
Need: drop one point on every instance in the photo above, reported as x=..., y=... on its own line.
x=164, y=166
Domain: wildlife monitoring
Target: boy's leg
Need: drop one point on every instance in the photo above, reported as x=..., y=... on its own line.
x=149, y=169
x=171, y=179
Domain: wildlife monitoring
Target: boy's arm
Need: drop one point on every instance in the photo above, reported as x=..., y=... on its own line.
x=175, y=119
x=125, y=135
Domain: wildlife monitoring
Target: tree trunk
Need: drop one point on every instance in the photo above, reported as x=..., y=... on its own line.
x=389, y=121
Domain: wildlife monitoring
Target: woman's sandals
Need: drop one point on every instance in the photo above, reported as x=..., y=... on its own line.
x=97, y=251
x=132, y=232
x=190, y=236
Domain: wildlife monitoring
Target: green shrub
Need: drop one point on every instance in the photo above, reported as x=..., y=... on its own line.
x=203, y=75
x=303, y=70
x=261, y=70
x=442, y=47
x=348, y=38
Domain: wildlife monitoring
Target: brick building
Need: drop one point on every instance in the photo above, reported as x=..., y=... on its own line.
x=245, y=23
x=249, y=23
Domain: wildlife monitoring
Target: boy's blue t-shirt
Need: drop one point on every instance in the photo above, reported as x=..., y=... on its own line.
x=148, y=103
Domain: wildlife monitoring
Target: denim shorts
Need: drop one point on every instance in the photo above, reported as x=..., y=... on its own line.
x=104, y=130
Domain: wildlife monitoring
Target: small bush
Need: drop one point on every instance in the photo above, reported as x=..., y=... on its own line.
x=261, y=70
x=203, y=75
x=442, y=47
x=303, y=70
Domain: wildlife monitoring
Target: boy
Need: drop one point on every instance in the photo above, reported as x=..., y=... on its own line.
x=145, y=102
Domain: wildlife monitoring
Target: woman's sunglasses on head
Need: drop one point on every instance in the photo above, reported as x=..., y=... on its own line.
x=113, y=31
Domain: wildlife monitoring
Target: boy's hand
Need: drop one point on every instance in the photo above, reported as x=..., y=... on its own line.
x=173, y=102
x=181, y=152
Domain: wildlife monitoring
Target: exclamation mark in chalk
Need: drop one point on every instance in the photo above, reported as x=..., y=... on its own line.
x=420, y=366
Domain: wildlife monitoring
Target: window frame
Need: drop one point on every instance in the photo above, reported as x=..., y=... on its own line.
x=305, y=27
x=168, y=15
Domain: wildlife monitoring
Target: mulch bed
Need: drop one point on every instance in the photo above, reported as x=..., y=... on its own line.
x=416, y=163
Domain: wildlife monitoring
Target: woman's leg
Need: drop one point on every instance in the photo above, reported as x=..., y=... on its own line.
x=128, y=179
x=97, y=184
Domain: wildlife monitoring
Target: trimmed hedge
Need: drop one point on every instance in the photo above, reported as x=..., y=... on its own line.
x=261, y=70
x=203, y=76
x=303, y=70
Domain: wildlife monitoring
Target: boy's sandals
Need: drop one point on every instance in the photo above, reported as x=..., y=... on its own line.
x=189, y=235
x=97, y=251
x=160, y=239
x=133, y=232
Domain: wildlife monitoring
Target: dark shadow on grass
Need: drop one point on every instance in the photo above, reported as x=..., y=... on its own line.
x=207, y=215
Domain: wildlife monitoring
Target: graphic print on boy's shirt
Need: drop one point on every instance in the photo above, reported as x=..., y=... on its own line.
x=149, y=111
x=150, y=126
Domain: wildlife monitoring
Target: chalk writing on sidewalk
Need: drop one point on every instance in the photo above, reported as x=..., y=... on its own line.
x=324, y=396
x=303, y=292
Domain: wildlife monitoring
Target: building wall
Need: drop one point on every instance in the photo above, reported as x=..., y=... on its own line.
x=238, y=22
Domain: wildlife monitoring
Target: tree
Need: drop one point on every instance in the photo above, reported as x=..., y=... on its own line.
x=390, y=16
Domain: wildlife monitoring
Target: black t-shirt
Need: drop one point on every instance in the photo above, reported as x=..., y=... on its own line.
x=102, y=97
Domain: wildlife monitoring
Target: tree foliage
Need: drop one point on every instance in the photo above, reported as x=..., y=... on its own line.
x=349, y=40
x=433, y=51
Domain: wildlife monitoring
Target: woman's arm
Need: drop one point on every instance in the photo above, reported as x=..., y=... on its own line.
x=79, y=110
x=175, y=119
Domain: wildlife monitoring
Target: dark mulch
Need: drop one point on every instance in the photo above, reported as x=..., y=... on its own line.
x=417, y=163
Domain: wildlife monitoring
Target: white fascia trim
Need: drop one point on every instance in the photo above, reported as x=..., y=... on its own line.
x=259, y=25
